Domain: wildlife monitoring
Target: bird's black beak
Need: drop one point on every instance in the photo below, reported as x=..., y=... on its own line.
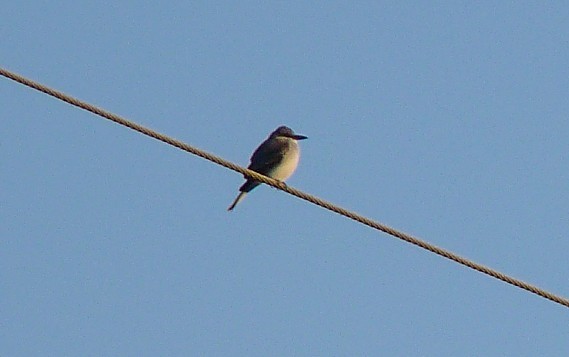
x=299, y=137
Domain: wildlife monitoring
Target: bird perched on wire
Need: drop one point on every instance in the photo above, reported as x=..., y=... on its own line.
x=277, y=157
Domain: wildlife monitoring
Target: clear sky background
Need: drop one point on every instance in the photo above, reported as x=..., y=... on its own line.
x=447, y=120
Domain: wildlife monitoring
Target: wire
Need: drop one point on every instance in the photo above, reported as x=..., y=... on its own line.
x=280, y=185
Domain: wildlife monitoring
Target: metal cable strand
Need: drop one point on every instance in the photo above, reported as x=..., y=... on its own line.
x=271, y=182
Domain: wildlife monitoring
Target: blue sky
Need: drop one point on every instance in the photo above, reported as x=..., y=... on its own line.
x=447, y=120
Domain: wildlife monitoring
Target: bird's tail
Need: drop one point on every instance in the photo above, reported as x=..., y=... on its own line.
x=237, y=200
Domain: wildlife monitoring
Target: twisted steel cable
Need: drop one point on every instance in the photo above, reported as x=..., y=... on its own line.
x=279, y=185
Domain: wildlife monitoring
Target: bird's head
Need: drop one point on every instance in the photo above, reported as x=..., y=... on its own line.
x=285, y=131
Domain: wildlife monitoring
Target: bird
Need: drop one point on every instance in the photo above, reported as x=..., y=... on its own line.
x=277, y=157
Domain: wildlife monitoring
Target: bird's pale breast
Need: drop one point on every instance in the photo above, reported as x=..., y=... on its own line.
x=288, y=164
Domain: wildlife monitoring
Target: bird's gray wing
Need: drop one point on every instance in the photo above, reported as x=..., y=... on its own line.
x=267, y=156
x=264, y=159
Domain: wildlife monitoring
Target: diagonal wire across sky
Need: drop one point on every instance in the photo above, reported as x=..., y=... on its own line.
x=280, y=185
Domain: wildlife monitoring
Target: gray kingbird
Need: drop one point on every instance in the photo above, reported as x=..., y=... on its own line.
x=277, y=157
